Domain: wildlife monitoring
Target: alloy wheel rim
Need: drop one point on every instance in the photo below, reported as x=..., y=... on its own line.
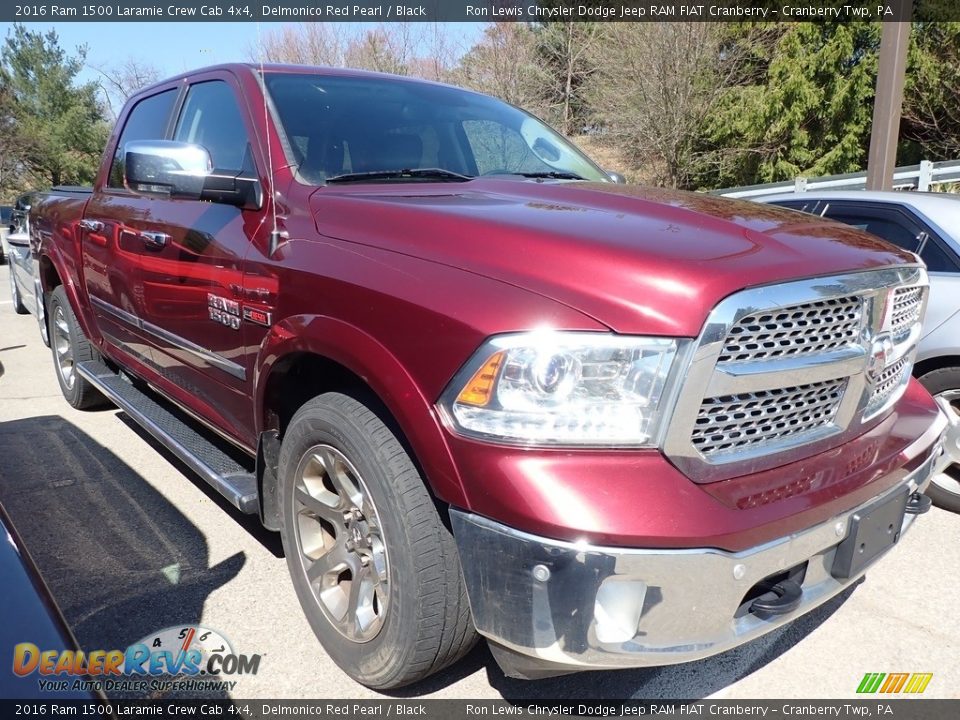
x=63, y=347
x=340, y=543
x=41, y=313
x=949, y=479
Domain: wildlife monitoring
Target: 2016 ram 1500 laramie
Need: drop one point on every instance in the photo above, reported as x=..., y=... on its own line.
x=480, y=388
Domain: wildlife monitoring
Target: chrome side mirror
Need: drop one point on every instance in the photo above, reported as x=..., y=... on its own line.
x=166, y=168
x=616, y=177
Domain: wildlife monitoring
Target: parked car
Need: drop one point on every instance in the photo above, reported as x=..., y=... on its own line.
x=24, y=279
x=30, y=615
x=927, y=224
x=477, y=386
x=5, y=211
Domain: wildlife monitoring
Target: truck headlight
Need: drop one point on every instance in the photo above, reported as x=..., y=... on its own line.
x=562, y=388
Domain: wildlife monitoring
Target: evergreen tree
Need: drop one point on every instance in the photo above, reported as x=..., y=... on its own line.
x=56, y=128
x=809, y=113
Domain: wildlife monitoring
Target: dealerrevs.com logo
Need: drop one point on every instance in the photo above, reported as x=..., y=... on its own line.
x=186, y=655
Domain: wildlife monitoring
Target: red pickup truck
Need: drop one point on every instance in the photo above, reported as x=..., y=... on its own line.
x=478, y=386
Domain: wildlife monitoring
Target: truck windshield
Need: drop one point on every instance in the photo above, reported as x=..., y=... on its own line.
x=371, y=129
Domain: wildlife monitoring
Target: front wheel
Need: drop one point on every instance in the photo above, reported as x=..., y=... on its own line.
x=944, y=385
x=374, y=567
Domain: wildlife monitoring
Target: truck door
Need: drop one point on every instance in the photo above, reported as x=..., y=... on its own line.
x=192, y=271
x=111, y=243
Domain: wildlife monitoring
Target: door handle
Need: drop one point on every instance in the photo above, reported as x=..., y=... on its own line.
x=91, y=225
x=154, y=240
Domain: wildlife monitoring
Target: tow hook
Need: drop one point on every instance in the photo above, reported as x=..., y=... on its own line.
x=780, y=599
x=918, y=504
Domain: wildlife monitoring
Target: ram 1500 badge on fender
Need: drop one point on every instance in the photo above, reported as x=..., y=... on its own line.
x=478, y=387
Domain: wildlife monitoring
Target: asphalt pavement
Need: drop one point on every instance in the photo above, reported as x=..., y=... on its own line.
x=131, y=542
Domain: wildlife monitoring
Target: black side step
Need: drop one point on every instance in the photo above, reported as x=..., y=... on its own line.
x=235, y=482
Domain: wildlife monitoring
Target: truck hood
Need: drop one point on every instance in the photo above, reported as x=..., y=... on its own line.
x=639, y=260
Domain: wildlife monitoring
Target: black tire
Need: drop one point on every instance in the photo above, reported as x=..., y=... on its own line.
x=70, y=338
x=426, y=622
x=945, y=490
x=18, y=307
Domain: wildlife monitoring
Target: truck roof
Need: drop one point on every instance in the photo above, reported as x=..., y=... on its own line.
x=254, y=68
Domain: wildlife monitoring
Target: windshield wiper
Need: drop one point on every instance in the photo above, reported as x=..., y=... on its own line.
x=415, y=173
x=552, y=174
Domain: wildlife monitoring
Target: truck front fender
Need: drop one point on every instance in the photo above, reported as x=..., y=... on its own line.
x=361, y=354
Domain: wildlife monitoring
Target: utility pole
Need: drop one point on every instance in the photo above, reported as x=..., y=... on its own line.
x=888, y=101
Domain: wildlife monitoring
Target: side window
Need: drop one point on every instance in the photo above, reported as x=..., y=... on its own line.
x=799, y=205
x=146, y=121
x=937, y=258
x=888, y=226
x=211, y=118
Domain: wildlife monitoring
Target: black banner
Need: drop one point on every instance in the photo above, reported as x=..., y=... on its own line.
x=479, y=10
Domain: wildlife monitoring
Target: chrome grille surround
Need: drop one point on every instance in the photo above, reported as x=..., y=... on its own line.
x=869, y=369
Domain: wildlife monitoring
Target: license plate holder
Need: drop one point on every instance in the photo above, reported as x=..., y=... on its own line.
x=872, y=530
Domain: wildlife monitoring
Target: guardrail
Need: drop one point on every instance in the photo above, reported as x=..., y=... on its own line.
x=912, y=177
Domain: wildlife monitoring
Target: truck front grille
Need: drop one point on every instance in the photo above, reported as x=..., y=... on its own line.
x=907, y=306
x=812, y=327
x=732, y=423
x=892, y=377
x=782, y=372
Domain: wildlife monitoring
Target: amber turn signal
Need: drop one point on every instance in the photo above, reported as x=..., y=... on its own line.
x=479, y=390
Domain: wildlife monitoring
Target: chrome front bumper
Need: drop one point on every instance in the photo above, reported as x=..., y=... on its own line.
x=577, y=606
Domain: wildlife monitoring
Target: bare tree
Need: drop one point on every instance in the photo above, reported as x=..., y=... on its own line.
x=931, y=108
x=505, y=64
x=572, y=53
x=118, y=82
x=383, y=49
x=303, y=44
x=655, y=90
x=420, y=49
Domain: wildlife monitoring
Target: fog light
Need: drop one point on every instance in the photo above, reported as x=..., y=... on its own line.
x=617, y=609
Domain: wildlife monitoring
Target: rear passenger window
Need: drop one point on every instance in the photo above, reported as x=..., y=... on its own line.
x=800, y=205
x=936, y=258
x=889, y=230
x=146, y=121
x=212, y=119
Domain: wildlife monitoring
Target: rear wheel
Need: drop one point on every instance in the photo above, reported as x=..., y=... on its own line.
x=944, y=385
x=374, y=567
x=70, y=347
x=41, y=312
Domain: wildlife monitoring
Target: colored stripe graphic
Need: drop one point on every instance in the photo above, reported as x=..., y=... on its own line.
x=894, y=683
x=870, y=682
x=913, y=683
x=918, y=682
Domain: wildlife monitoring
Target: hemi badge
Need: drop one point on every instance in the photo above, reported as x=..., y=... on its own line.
x=260, y=317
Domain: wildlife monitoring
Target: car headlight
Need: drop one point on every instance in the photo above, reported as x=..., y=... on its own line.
x=562, y=388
